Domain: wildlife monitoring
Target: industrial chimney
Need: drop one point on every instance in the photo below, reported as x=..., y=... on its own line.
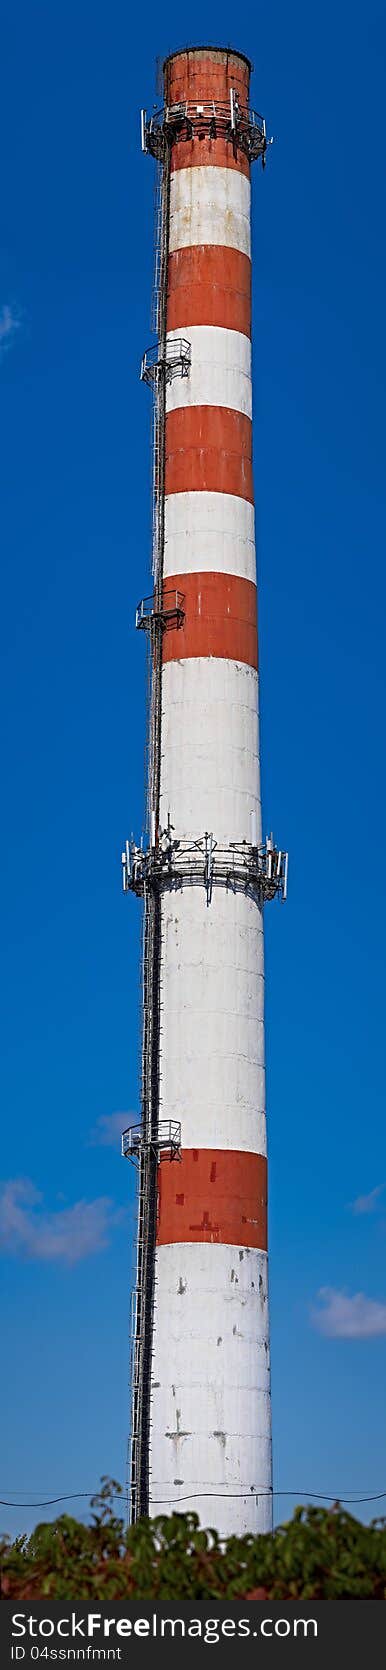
x=201, y=1421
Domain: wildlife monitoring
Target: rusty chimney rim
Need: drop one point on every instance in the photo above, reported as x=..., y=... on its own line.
x=223, y=52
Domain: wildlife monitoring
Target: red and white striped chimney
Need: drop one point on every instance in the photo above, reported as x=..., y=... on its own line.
x=211, y=1431
x=210, y=1415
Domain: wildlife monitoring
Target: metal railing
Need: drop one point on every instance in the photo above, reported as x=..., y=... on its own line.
x=206, y=118
x=166, y=1144
x=168, y=613
x=258, y=870
x=173, y=359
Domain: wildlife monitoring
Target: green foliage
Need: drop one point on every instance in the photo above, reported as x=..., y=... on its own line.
x=320, y=1554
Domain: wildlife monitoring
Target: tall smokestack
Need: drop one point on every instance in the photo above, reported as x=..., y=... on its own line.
x=201, y=1420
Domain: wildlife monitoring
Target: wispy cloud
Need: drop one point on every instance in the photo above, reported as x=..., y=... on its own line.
x=9, y=324
x=67, y=1235
x=108, y=1129
x=344, y=1316
x=367, y=1203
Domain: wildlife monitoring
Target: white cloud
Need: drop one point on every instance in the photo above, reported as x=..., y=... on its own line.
x=344, y=1316
x=67, y=1235
x=367, y=1203
x=9, y=324
x=108, y=1129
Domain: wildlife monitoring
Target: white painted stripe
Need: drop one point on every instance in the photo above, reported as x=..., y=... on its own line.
x=239, y=1516
x=210, y=748
x=238, y=1404
x=212, y=1076
x=210, y=1425
x=209, y=532
x=212, y=965
x=220, y=371
x=210, y=206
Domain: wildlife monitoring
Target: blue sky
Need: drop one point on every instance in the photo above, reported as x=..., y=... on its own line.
x=76, y=264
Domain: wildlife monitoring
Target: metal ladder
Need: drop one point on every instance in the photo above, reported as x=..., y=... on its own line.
x=143, y=1298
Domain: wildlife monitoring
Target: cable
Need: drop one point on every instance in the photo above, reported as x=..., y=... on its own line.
x=203, y=1495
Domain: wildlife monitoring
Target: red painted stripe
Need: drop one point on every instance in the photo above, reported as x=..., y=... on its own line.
x=216, y=153
x=203, y=74
x=209, y=284
x=213, y=1195
x=195, y=77
x=220, y=618
x=208, y=448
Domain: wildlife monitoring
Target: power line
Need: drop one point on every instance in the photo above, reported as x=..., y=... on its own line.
x=229, y=1496
x=203, y=1495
